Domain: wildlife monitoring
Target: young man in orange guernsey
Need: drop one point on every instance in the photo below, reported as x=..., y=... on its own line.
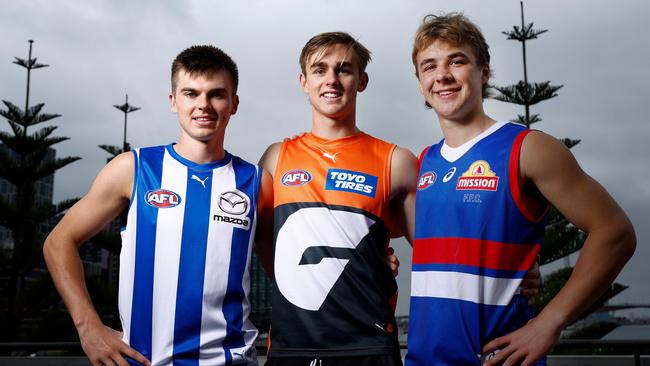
x=338, y=195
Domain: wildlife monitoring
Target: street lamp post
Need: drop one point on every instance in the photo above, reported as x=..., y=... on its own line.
x=126, y=108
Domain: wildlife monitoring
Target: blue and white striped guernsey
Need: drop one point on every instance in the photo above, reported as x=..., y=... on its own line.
x=186, y=249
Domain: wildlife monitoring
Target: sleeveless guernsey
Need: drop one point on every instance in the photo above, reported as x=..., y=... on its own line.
x=184, y=281
x=474, y=242
x=335, y=295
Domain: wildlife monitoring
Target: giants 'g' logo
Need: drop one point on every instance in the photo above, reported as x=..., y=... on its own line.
x=312, y=249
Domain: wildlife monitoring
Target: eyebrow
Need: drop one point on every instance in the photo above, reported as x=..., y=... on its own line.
x=323, y=64
x=215, y=90
x=450, y=56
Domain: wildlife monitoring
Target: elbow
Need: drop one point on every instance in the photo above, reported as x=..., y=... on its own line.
x=52, y=249
x=626, y=240
x=629, y=242
x=48, y=249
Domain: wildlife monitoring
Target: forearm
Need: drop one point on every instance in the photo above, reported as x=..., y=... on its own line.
x=65, y=267
x=264, y=252
x=604, y=254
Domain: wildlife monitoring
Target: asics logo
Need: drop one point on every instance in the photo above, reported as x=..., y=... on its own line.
x=196, y=178
x=309, y=262
x=449, y=175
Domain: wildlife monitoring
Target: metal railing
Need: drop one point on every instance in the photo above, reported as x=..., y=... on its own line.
x=637, y=347
x=634, y=348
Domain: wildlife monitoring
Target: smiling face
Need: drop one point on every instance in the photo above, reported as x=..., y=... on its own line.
x=332, y=80
x=204, y=103
x=451, y=81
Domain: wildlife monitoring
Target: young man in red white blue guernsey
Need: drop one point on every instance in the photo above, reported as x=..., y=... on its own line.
x=186, y=248
x=481, y=203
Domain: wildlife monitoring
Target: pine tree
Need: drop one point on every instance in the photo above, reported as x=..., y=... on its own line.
x=561, y=238
x=22, y=164
x=126, y=108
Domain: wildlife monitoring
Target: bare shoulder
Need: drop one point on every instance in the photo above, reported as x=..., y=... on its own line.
x=266, y=189
x=403, y=160
x=117, y=176
x=543, y=155
x=403, y=170
x=269, y=159
x=108, y=196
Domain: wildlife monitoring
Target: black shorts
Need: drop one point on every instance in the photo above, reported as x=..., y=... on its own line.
x=375, y=360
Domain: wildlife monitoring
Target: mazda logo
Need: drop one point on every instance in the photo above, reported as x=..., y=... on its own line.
x=233, y=202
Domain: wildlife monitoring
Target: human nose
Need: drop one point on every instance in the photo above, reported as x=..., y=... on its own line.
x=203, y=102
x=331, y=77
x=442, y=74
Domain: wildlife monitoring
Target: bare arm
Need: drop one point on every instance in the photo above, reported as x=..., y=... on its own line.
x=403, y=180
x=264, y=231
x=551, y=168
x=264, y=234
x=269, y=160
x=108, y=196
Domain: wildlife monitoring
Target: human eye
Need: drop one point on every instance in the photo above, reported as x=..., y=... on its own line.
x=218, y=95
x=189, y=93
x=345, y=70
x=458, y=61
x=428, y=67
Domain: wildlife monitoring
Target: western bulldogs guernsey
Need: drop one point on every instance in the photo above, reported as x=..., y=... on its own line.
x=184, y=280
x=474, y=242
x=334, y=290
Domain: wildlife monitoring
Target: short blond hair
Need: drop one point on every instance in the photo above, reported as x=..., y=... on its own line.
x=321, y=42
x=456, y=29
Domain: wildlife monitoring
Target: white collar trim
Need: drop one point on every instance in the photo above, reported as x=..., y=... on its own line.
x=451, y=154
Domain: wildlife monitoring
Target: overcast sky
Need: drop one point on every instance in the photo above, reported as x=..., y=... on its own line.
x=101, y=50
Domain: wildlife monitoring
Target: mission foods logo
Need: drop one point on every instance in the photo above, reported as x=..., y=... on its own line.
x=162, y=198
x=478, y=177
x=350, y=181
x=295, y=178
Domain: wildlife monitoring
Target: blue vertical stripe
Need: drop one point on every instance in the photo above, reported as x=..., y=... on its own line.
x=247, y=181
x=149, y=175
x=191, y=276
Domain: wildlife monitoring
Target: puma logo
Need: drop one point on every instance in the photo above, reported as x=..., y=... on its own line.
x=330, y=156
x=194, y=177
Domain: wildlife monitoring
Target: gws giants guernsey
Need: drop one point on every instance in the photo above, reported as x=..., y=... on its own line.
x=335, y=295
x=474, y=242
x=186, y=248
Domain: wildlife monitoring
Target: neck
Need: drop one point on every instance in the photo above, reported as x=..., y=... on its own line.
x=333, y=128
x=459, y=131
x=200, y=152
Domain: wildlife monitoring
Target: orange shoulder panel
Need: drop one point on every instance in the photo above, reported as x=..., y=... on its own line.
x=352, y=171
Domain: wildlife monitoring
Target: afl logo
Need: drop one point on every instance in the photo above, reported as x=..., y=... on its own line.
x=296, y=178
x=162, y=198
x=233, y=202
x=426, y=180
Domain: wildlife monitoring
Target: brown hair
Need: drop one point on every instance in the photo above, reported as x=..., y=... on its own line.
x=321, y=42
x=456, y=29
x=203, y=60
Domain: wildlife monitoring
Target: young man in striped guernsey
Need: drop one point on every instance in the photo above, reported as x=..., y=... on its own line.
x=186, y=247
x=482, y=197
x=338, y=193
